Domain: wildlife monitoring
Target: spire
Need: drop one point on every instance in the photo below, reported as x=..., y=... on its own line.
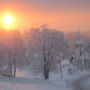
x=78, y=39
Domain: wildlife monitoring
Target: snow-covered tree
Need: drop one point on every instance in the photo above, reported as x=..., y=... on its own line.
x=45, y=46
x=18, y=51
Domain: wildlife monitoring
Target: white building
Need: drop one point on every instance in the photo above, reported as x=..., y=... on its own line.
x=82, y=57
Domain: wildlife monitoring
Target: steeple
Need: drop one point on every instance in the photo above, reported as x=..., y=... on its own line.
x=79, y=44
x=78, y=39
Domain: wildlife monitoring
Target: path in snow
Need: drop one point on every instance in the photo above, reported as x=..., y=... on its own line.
x=28, y=84
x=82, y=83
x=86, y=84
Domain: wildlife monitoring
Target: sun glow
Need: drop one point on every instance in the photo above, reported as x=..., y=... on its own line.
x=7, y=20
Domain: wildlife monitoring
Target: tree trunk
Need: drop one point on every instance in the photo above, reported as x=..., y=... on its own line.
x=10, y=67
x=61, y=71
x=14, y=68
x=46, y=72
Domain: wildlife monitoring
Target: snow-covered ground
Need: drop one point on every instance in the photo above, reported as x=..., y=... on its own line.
x=33, y=84
x=27, y=84
x=27, y=81
x=86, y=84
x=54, y=83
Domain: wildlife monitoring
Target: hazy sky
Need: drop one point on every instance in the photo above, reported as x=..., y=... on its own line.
x=65, y=15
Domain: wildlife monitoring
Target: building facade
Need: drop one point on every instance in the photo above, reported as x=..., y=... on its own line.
x=81, y=55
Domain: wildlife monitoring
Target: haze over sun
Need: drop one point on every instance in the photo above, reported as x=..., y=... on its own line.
x=7, y=21
x=65, y=15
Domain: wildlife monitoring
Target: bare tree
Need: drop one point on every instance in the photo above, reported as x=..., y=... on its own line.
x=18, y=51
x=46, y=45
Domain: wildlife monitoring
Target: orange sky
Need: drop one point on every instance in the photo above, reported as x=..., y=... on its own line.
x=63, y=18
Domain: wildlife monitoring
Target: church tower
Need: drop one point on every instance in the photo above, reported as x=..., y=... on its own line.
x=79, y=45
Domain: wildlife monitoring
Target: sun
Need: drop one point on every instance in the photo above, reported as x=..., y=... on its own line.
x=7, y=20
